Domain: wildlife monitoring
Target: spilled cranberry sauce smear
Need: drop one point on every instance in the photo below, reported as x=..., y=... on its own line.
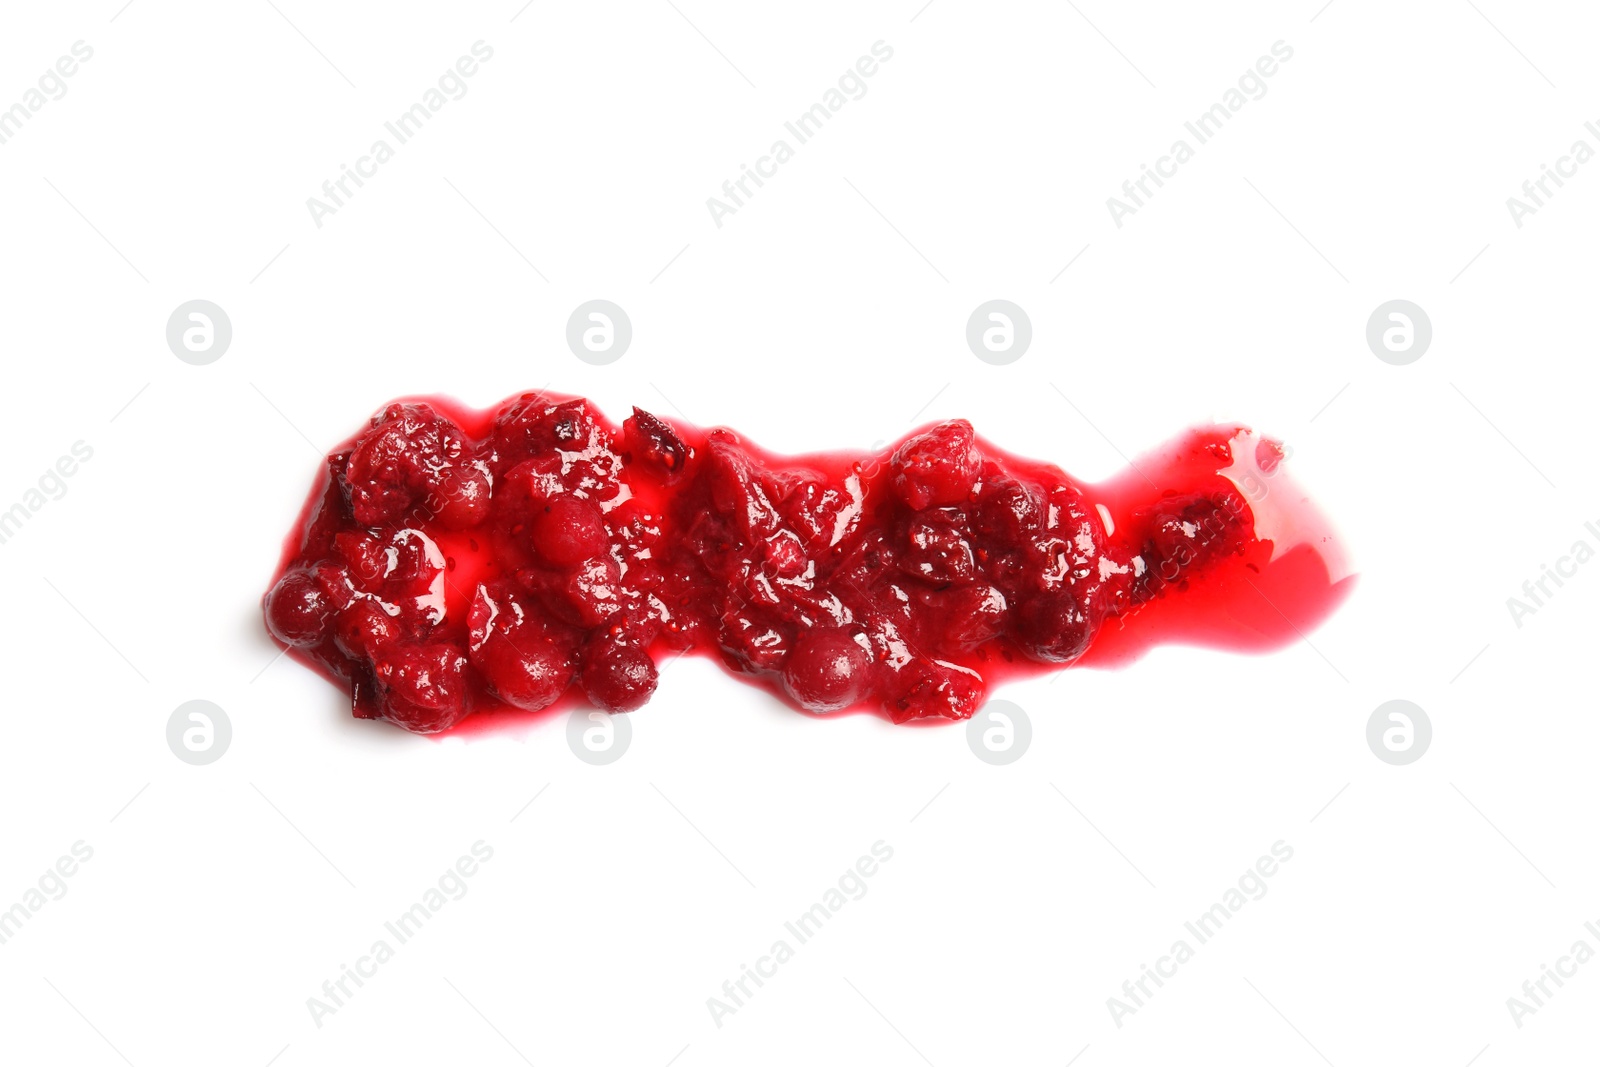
x=452, y=562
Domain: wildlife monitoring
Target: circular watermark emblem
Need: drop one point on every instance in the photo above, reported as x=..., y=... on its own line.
x=999, y=733
x=1399, y=732
x=199, y=732
x=199, y=332
x=597, y=737
x=1399, y=332
x=999, y=332
x=599, y=332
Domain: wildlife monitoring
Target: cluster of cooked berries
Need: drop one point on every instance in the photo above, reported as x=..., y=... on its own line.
x=499, y=559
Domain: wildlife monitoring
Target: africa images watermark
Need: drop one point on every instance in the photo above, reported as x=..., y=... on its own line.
x=52, y=885
x=52, y=485
x=1537, y=190
x=403, y=128
x=336, y=991
x=1136, y=992
x=1536, y=991
x=802, y=129
x=852, y=885
x=1566, y=567
x=52, y=85
x=1203, y=128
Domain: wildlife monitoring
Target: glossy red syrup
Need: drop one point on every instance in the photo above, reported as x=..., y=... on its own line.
x=452, y=562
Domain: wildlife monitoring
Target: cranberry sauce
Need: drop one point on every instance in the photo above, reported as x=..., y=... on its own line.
x=451, y=561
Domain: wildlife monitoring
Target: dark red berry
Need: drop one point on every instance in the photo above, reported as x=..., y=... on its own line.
x=569, y=531
x=298, y=609
x=365, y=555
x=537, y=424
x=422, y=687
x=617, y=676
x=523, y=658
x=365, y=629
x=938, y=466
x=1054, y=627
x=410, y=453
x=827, y=670
x=463, y=500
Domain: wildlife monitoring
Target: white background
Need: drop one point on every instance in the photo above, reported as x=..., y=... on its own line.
x=828, y=312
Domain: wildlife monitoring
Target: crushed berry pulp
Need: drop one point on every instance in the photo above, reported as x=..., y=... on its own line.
x=452, y=561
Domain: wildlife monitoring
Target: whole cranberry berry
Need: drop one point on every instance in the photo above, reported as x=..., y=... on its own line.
x=364, y=630
x=408, y=453
x=937, y=467
x=366, y=557
x=569, y=531
x=422, y=687
x=464, y=500
x=733, y=477
x=534, y=425
x=1009, y=511
x=617, y=676
x=826, y=671
x=530, y=678
x=592, y=592
x=521, y=657
x=1054, y=627
x=298, y=609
